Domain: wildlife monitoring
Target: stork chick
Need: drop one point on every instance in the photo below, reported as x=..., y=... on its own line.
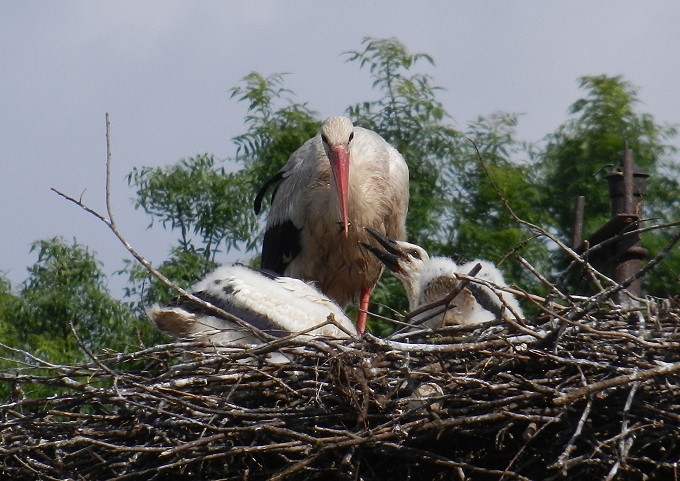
x=275, y=305
x=427, y=280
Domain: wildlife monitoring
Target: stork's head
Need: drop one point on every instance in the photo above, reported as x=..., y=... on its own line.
x=336, y=136
x=405, y=260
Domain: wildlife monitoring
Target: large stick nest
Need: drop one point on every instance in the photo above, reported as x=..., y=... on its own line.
x=592, y=399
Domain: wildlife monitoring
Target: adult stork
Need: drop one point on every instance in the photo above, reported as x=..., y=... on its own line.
x=275, y=305
x=428, y=279
x=337, y=184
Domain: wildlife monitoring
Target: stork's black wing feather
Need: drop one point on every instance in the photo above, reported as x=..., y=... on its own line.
x=280, y=246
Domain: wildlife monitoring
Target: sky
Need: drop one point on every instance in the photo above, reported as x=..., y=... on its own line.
x=162, y=69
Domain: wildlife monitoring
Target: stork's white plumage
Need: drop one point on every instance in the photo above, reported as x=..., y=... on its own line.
x=338, y=183
x=427, y=280
x=275, y=305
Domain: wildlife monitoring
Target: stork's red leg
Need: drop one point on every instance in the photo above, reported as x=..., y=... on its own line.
x=363, y=309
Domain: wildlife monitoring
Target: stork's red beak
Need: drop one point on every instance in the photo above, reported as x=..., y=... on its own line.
x=339, y=158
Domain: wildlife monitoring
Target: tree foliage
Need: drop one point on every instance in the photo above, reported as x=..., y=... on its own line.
x=496, y=188
x=207, y=205
x=66, y=287
x=64, y=308
x=579, y=153
x=277, y=126
x=410, y=117
x=197, y=197
x=589, y=145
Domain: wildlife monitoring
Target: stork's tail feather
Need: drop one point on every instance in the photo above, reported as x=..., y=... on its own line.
x=172, y=320
x=257, y=205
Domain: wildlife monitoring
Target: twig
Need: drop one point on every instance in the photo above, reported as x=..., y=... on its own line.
x=444, y=301
x=562, y=459
x=110, y=223
x=625, y=442
x=617, y=381
x=441, y=348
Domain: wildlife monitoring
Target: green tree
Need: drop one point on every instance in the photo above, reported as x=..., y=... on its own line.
x=585, y=147
x=199, y=198
x=65, y=287
x=9, y=304
x=410, y=117
x=577, y=155
x=495, y=185
x=277, y=126
x=208, y=205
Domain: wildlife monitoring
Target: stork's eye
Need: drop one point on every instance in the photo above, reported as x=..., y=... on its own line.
x=324, y=139
x=351, y=136
x=413, y=253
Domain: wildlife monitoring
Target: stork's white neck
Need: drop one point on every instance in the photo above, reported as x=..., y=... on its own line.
x=410, y=277
x=413, y=287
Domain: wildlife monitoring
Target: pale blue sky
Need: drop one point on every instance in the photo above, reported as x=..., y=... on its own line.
x=163, y=70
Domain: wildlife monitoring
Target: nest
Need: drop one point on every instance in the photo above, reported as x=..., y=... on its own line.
x=588, y=392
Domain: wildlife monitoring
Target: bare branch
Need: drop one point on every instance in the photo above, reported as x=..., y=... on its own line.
x=109, y=222
x=663, y=370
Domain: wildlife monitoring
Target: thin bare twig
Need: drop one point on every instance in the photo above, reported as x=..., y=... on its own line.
x=644, y=375
x=110, y=223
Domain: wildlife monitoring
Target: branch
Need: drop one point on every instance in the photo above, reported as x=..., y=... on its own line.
x=573, y=396
x=564, y=457
x=110, y=223
x=445, y=301
x=437, y=348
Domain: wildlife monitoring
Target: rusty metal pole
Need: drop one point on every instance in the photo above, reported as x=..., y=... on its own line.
x=577, y=222
x=628, y=167
x=627, y=189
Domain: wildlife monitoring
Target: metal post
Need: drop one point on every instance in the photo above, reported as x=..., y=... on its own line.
x=627, y=188
x=628, y=167
x=577, y=222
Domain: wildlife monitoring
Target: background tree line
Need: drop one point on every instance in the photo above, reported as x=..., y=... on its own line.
x=455, y=209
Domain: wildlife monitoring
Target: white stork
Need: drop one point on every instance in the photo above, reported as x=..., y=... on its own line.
x=275, y=305
x=427, y=280
x=341, y=181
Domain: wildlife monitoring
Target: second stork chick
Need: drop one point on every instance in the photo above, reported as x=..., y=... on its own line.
x=429, y=279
